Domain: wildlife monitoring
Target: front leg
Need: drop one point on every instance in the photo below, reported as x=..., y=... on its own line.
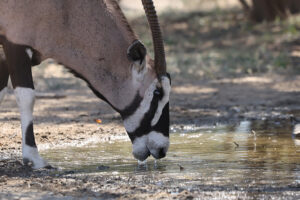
x=25, y=100
x=19, y=68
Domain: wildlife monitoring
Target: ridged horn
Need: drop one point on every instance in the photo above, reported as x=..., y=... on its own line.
x=159, y=51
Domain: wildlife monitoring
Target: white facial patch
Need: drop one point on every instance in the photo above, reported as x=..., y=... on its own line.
x=29, y=52
x=157, y=141
x=165, y=83
x=132, y=122
x=25, y=100
x=2, y=93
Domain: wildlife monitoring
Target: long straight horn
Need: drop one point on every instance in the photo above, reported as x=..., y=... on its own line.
x=159, y=51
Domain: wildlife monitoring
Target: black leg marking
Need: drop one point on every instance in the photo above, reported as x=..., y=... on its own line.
x=19, y=65
x=29, y=136
x=3, y=74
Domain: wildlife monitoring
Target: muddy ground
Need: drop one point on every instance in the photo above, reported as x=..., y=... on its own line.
x=222, y=70
x=66, y=116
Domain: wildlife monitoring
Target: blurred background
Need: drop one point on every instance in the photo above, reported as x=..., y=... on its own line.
x=224, y=38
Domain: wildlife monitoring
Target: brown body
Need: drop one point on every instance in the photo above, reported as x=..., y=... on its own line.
x=77, y=34
x=94, y=40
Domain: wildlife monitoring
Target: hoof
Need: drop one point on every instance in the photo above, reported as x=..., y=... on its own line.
x=27, y=162
x=39, y=164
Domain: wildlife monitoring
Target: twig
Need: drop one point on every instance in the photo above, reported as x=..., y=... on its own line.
x=180, y=167
x=13, y=136
x=236, y=144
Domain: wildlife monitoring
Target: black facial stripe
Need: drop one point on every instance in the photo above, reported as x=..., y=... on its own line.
x=29, y=136
x=169, y=77
x=162, y=126
x=133, y=106
x=145, y=127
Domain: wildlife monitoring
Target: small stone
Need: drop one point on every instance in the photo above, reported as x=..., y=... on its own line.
x=102, y=167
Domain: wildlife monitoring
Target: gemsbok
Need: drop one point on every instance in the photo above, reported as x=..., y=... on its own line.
x=94, y=40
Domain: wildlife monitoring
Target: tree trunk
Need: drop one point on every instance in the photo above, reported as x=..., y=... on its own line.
x=294, y=6
x=268, y=10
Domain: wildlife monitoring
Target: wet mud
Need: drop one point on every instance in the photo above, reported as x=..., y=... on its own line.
x=231, y=138
x=250, y=160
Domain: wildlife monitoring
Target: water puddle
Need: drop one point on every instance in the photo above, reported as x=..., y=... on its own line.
x=249, y=153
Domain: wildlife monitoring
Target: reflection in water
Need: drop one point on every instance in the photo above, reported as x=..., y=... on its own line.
x=296, y=134
x=296, y=130
x=243, y=127
x=252, y=154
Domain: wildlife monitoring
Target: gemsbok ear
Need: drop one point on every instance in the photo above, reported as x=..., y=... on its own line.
x=136, y=52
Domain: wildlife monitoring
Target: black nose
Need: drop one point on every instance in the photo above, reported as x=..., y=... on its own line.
x=162, y=153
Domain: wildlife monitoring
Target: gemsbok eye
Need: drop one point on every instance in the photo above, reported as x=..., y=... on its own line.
x=157, y=92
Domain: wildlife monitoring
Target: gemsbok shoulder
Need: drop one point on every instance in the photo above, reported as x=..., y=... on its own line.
x=94, y=40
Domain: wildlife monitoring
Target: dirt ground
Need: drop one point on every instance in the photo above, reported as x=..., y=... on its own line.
x=197, y=44
x=66, y=116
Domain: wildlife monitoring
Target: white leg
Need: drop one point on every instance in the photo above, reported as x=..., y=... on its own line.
x=2, y=94
x=25, y=100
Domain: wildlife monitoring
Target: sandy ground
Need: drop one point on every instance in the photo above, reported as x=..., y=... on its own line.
x=65, y=114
